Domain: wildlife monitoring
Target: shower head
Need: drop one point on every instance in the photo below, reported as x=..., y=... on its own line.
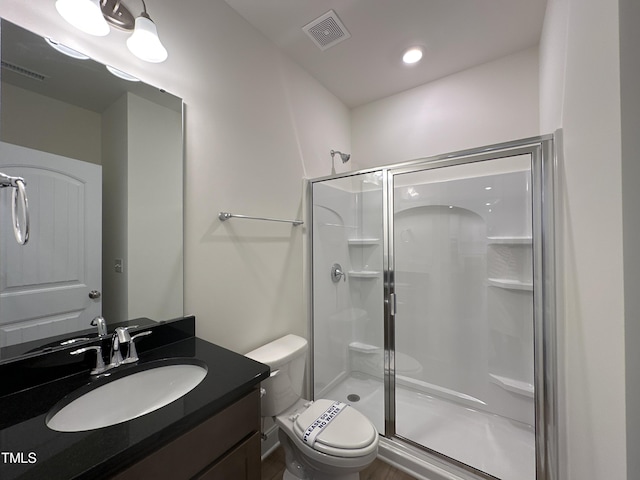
x=343, y=156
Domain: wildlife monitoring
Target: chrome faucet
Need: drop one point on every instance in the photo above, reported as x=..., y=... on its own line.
x=96, y=322
x=132, y=354
x=101, y=324
x=120, y=336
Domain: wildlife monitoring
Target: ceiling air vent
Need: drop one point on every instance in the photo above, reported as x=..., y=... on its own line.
x=327, y=30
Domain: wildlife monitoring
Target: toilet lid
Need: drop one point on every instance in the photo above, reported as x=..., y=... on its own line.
x=346, y=434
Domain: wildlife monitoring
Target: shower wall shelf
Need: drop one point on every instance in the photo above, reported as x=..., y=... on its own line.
x=512, y=385
x=364, y=274
x=509, y=240
x=226, y=216
x=363, y=241
x=510, y=284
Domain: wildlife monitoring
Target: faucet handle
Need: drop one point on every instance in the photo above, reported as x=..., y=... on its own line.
x=120, y=335
x=132, y=355
x=123, y=334
x=100, y=366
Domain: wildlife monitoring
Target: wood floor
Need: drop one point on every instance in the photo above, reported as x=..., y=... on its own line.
x=273, y=469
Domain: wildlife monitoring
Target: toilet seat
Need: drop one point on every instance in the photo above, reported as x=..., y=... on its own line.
x=349, y=434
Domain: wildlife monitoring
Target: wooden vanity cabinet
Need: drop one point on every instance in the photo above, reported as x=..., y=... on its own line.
x=226, y=446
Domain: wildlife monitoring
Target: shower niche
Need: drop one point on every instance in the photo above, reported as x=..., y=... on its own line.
x=442, y=333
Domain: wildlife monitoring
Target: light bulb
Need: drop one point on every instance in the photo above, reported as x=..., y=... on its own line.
x=144, y=42
x=412, y=55
x=85, y=15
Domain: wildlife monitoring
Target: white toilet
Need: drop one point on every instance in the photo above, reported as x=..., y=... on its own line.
x=322, y=440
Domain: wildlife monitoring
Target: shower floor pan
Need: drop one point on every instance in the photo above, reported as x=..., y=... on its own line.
x=493, y=444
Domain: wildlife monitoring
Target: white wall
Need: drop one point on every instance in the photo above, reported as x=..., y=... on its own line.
x=114, y=210
x=630, y=79
x=580, y=92
x=250, y=141
x=256, y=124
x=553, y=53
x=154, y=214
x=53, y=120
x=494, y=102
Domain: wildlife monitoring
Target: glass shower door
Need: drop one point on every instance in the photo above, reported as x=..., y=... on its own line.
x=461, y=256
x=348, y=354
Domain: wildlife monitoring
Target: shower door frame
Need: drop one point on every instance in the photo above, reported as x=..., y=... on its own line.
x=543, y=167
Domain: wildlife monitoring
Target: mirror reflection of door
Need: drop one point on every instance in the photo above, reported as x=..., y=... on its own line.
x=134, y=132
x=45, y=284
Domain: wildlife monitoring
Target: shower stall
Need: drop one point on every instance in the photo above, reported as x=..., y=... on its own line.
x=433, y=307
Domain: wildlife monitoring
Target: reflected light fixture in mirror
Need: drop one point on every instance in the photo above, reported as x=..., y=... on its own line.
x=95, y=16
x=70, y=52
x=121, y=74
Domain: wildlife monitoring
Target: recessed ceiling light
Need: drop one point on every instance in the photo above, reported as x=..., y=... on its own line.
x=412, y=55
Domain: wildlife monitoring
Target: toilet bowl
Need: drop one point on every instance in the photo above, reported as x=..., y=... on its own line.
x=322, y=439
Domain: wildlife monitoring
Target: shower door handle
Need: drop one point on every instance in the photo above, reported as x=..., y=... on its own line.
x=391, y=302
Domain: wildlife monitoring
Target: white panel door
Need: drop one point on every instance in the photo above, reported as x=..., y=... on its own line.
x=45, y=284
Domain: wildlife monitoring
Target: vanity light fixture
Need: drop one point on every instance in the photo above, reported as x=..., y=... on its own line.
x=95, y=17
x=144, y=42
x=412, y=55
x=85, y=15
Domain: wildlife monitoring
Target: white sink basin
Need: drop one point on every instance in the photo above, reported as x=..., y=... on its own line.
x=126, y=398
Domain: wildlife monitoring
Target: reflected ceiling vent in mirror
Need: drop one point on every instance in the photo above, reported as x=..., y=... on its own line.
x=25, y=72
x=327, y=30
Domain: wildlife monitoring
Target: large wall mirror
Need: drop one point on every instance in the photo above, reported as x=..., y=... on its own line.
x=102, y=157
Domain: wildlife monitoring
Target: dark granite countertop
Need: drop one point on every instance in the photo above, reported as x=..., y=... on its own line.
x=30, y=450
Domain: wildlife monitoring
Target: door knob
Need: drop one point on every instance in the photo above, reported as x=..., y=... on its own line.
x=94, y=294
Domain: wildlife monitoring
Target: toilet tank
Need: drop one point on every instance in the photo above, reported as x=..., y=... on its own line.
x=286, y=358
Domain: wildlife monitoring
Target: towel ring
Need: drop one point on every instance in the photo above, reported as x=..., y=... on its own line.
x=20, y=197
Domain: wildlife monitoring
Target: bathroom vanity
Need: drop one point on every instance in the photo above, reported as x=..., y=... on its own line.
x=211, y=432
